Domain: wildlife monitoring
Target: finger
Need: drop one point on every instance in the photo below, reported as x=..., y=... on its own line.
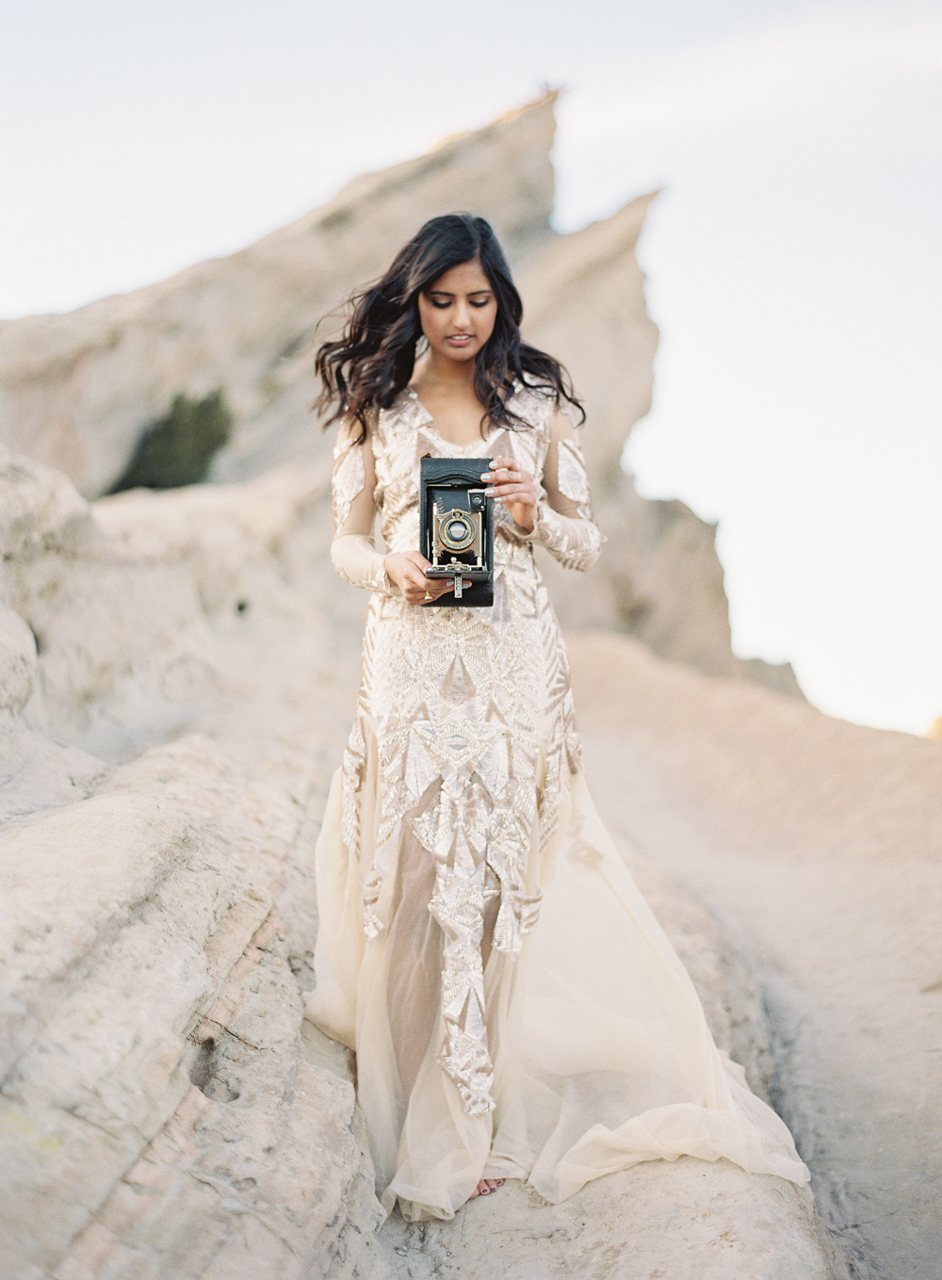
x=500, y=464
x=513, y=493
x=435, y=588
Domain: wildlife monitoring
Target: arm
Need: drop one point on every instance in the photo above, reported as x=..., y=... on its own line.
x=352, y=550
x=354, y=479
x=560, y=518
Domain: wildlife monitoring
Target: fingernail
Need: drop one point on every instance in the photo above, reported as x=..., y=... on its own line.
x=489, y=493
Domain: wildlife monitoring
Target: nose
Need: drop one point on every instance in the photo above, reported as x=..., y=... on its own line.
x=462, y=314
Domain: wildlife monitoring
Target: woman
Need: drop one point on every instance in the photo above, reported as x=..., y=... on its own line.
x=515, y=1008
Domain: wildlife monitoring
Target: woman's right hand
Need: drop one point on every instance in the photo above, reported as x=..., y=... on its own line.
x=407, y=571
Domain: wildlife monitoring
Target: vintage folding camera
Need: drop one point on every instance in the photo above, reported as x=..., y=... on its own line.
x=457, y=528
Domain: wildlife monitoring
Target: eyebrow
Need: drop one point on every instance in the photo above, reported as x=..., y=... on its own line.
x=443, y=293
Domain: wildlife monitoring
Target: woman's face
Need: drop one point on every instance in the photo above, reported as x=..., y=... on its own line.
x=457, y=312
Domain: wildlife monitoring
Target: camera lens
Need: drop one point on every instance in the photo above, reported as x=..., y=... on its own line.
x=456, y=531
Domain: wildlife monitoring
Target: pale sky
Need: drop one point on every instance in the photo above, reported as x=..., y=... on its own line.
x=793, y=261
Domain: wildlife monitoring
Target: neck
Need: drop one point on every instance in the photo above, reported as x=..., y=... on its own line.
x=438, y=371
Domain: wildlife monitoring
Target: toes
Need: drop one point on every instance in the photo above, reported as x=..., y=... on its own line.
x=485, y=1187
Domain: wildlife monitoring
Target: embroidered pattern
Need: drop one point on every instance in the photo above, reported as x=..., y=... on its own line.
x=349, y=477
x=467, y=716
x=572, y=479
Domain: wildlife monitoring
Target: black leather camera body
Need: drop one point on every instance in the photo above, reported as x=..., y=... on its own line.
x=457, y=528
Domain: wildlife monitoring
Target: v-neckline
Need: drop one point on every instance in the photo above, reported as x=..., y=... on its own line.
x=429, y=425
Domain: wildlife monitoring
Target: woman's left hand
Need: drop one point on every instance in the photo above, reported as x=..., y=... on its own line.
x=515, y=488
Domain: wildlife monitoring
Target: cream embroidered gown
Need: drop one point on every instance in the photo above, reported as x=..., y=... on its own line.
x=515, y=1008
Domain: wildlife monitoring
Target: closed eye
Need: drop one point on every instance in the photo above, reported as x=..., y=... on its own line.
x=441, y=301
x=443, y=306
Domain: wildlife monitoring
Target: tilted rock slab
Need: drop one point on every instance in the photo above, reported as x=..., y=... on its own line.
x=160, y=1116
x=162, y=1111
x=77, y=391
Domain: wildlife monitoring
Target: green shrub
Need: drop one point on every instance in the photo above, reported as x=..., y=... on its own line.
x=178, y=448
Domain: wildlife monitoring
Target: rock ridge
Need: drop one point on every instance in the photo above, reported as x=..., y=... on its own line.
x=165, y=1112
x=78, y=391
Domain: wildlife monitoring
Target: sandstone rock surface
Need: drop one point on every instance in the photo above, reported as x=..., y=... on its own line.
x=164, y=1111
x=177, y=677
x=819, y=846
x=161, y=1097
x=78, y=391
x=721, y=1224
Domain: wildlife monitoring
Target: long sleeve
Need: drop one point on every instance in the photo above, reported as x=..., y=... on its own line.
x=352, y=550
x=564, y=523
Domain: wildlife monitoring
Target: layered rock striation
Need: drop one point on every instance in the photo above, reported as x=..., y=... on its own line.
x=175, y=696
x=78, y=392
x=177, y=674
x=819, y=845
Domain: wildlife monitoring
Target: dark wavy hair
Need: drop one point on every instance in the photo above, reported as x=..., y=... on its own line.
x=371, y=363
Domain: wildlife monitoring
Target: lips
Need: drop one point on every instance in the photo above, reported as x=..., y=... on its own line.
x=459, y=339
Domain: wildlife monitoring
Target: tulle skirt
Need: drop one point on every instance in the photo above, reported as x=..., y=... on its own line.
x=601, y=1054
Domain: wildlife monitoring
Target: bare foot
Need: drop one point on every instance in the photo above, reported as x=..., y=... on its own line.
x=485, y=1187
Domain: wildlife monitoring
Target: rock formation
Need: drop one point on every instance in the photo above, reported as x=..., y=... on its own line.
x=819, y=845
x=177, y=676
x=78, y=391
x=175, y=696
x=163, y=1112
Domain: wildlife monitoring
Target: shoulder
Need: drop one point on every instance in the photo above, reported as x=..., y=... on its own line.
x=404, y=414
x=351, y=436
x=380, y=425
x=535, y=405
